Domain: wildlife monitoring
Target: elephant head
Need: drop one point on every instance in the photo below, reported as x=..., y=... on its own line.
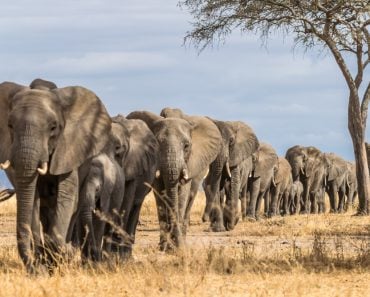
x=143, y=147
x=46, y=132
x=186, y=148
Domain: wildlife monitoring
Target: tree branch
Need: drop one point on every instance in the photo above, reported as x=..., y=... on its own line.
x=365, y=105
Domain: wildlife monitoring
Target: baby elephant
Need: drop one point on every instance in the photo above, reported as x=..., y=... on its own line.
x=295, y=197
x=100, y=202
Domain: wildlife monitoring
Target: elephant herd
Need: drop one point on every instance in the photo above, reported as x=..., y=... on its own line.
x=81, y=176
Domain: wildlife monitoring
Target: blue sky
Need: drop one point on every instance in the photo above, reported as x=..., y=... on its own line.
x=131, y=54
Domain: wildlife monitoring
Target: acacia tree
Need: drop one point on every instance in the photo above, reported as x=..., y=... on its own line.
x=341, y=27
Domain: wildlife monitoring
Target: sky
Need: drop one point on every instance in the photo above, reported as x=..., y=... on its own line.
x=132, y=55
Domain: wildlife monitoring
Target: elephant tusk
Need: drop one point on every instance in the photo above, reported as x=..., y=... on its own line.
x=43, y=169
x=157, y=174
x=273, y=182
x=228, y=169
x=302, y=171
x=185, y=174
x=5, y=165
x=185, y=177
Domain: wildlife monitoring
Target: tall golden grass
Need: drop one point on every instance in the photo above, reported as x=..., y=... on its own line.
x=306, y=255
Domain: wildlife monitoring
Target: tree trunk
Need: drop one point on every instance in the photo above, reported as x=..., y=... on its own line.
x=357, y=131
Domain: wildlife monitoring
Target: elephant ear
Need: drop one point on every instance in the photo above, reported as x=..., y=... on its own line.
x=267, y=159
x=148, y=117
x=245, y=143
x=143, y=148
x=338, y=168
x=86, y=131
x=7, y=92
x=206, y=144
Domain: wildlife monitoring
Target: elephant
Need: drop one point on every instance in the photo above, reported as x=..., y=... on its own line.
x=232, y=163
x=187, y=146
x=280, y=188
x=101, y=198
x=139, y=166
x=266, y=163
x=295, y=195
x=238, y=143
x=309, y=166
x=351, y=185
x=103, y=189
x=337, y=178
x=47, y=134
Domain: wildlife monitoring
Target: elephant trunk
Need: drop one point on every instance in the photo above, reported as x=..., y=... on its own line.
x=90, y=248
x=172, y=170
x=231, y=207
x=25, y=190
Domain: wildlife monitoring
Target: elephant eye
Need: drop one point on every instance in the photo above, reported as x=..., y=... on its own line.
x=10, y=126
x=186, y=146
x=232, y=141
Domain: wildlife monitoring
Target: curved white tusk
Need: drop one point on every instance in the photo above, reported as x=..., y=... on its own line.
x=5, y=165
x=157, y=174
x=185, y=174
x=228, y=169
x=43, y=169
x=302, y=171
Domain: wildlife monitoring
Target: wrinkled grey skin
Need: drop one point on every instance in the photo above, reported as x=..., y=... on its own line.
x=351, y=186
x=41, y=127
x=102, y=191
x=280, y=188
x=262, y=177
x=238, y=145
x=337, y=178
x=186, y=149
x=309, y=166
x=139, y=165
x=295, y=195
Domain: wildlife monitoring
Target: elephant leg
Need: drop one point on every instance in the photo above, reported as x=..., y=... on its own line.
x=306, y=197
x=333, y=194
x=163, y=216
x=254, y=192
x=267, y=203
x=349, y=202
x=260, y=197
x=243, y=200
x=274, y=203
x=285, y=198
x=192, y=194
x=37, y=230
x=341, y=196
x=66, y=205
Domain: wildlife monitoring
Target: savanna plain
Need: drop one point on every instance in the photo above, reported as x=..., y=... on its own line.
x=305, y=255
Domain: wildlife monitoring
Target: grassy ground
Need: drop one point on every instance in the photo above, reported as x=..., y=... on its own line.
x=307, y=255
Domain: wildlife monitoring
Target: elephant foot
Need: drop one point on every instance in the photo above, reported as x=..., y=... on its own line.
x=205, y=218
x=217, y=228
x=360, y=213
x=332, y=211
x=250, y=218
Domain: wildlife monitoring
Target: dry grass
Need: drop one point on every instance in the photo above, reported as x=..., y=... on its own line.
x=311, y=255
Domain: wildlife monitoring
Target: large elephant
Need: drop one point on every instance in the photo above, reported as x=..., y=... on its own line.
x=234, y=160
x=239, y=142
x=309, y=166
x=186, y=149
x=280, y=188
x=266, y=163
x=139, y=165
x=337, y=178
x=46, y=136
